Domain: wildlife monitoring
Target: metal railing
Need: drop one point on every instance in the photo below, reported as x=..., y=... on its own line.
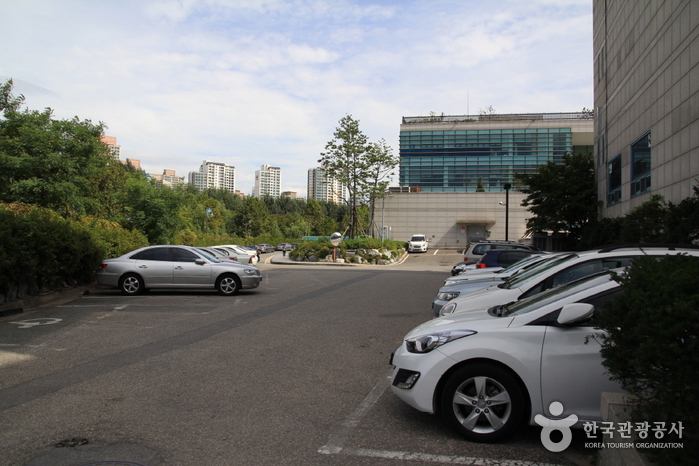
x=498, y=117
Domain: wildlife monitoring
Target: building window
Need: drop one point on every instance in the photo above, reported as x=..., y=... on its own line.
x=640, y=165
x=614, y=181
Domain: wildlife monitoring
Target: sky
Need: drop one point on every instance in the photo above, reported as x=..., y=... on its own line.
x=253, y=82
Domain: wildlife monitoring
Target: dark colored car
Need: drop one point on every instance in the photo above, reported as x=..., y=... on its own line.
x=503, y=257
x=474, y=250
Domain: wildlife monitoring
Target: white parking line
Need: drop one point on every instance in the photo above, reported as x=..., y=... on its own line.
x=442, y=459
x=336, y=443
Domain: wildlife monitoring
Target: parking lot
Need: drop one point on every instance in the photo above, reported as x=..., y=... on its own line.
x=294, y=372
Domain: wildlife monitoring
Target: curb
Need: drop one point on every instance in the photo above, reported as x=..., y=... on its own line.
x=286, y=261
x=29, y=302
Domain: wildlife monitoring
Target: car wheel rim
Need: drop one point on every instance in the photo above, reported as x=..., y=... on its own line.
x=228, y=285
x=482, y=405
x=131, y=285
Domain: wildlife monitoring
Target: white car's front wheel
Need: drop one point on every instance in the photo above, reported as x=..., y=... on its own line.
x=483, y=402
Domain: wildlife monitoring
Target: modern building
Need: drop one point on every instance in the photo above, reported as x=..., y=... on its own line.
x=322, y=187
x=213, y=175
x=457, y=173
x=114, y=148
x=646, y=78
x=480, y=153
x=268, y=181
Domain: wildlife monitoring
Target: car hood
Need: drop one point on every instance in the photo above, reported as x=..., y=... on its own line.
x=485, y=298
x=474, y=319
x=470, y=285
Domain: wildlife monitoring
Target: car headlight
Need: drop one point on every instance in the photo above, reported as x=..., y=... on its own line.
x=426, y=343
x=448, y=309
x=252, y=271
x=448, y=295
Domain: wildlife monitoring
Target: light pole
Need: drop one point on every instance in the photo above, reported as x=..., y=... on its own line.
x=507, y=187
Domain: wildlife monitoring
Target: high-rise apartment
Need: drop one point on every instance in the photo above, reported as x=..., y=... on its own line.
x=325, y=188
x=114, y=148
x=214, y=175
x=268, y=181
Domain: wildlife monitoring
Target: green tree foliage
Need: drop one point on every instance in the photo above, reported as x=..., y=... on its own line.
x=314, y=216
x=39, y=248
x=654, y=221
x=58, y=164
x=254, y=218
x=363, y=167
x=651, y=347
x=345, y=159
x=562, y=197
x=152, y=211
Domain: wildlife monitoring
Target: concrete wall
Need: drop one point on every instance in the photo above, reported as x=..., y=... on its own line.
x=646, y=77
x=448, y=218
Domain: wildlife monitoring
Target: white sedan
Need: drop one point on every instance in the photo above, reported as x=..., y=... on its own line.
x=488, y=371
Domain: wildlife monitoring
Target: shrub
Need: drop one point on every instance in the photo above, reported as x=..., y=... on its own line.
x=651, y=346
x=113, y=239
x=39, y=248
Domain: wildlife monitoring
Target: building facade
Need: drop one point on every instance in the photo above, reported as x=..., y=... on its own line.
x=114, y=148
x=480, y=153
x=168, y=178
x=268, y=181
x=322, y=187
x=646, y=78
x=457, y=173
x=213, y=175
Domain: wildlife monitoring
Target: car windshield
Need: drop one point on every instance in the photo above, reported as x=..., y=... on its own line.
x=207, y=256
x=518, y=280
x=522, y=263
x=554, y=294
x=417, y=238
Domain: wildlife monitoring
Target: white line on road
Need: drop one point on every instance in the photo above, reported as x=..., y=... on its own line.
x=336, y=443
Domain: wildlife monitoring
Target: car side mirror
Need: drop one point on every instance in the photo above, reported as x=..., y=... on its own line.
x=575, y=312
x=199, y=261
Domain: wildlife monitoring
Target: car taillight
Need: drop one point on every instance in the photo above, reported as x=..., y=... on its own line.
x=103, y=266
x=250, y=260
x=480, y=266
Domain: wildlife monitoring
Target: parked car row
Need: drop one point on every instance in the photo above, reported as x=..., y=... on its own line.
x=523, y=337
x=175, y=266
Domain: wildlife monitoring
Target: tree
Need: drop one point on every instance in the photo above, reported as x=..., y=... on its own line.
x=382, y=163
x=58, y=164
x=314, y=216
x=254, y=218
x=346, y=159
x=561, y=197
x=363, y=167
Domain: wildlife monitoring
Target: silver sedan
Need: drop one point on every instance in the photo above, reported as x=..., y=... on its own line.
x=169, y=267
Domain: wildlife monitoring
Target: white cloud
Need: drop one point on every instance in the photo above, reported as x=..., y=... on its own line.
x=249, y=82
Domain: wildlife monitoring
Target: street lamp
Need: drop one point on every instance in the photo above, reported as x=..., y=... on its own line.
x=507, y=187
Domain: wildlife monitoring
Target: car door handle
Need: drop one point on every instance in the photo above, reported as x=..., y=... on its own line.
x=179, y=267
x=142, y=266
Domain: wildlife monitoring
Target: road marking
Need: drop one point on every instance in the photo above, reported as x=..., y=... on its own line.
x=337, y=440
x=336, y=443
x=30, y=323
x=442, y=459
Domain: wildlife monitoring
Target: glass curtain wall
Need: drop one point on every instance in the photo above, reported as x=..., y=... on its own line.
x=477, y=160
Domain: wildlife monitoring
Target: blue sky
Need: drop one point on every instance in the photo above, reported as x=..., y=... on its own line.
x=252, y=82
